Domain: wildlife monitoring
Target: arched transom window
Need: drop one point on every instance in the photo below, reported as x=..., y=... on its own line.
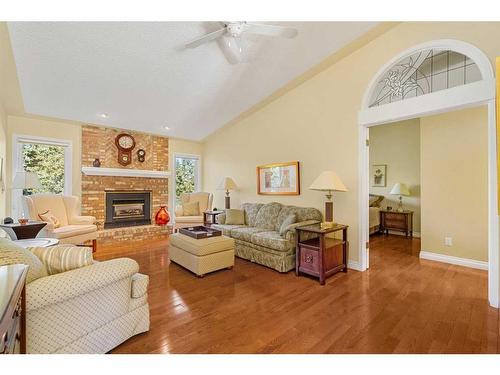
x=424, y=72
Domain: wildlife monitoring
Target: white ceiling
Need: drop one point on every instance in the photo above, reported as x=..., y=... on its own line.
x=140, y=74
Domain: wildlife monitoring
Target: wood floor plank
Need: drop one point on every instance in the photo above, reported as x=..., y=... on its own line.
x=400, y=305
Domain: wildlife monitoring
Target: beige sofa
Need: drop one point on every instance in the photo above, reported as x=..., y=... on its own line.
x=205, y=203
x=74, y=229
x=259, y=241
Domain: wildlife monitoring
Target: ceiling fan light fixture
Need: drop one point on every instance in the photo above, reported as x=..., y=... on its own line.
x=103, y=115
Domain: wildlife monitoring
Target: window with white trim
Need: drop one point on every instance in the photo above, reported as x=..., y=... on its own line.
x=424, y=72
x=50, y=159
x=187, y=175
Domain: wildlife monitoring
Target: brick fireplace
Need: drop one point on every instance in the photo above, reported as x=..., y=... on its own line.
x=124, y=206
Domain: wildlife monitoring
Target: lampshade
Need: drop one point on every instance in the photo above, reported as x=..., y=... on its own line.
x=400, y=189
x=26, y=180
x=328, y=181
x=227, y=184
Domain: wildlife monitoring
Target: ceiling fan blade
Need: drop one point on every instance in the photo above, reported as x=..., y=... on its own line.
x=271, y=30
x=206, y=38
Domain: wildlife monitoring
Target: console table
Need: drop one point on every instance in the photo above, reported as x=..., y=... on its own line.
x=13, y=309
x=321, y=256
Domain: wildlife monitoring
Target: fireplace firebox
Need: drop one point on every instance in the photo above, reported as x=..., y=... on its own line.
x=127, y=208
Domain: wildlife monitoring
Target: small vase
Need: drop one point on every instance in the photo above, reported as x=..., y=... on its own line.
x=96, y=163
x=162, y=217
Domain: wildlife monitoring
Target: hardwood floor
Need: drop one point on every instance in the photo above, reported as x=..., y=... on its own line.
x=401, y=305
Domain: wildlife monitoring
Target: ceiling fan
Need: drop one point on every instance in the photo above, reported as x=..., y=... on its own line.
x=231, y=32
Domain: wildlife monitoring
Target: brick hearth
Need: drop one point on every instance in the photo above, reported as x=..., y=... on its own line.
x=99, y=142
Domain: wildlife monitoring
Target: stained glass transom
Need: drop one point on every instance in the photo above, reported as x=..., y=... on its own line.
x=424, y=72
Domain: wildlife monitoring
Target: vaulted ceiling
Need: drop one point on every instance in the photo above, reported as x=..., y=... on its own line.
x=142, y=78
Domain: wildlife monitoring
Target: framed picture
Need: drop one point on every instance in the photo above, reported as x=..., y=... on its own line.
x=278, y=179
x=379, y=175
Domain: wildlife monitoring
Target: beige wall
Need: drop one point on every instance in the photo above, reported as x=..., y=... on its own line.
x=454, y=162
x=50, y=129
x=398, y=146
x=316, y=122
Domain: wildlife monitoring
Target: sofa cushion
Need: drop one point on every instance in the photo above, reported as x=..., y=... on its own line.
x=267, y=217
x=245, y=233
x=272, y=240
x=302, y=214
x=226, y=229
x=289, y=220
x=73, y=230
x=62, y=258
x=12, y=253
x=251, y=211
x=49, y=217
x=191, y=208
x=235, y=217
x=189, y=219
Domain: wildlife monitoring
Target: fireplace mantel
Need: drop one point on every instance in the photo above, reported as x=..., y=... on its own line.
x=124, y=172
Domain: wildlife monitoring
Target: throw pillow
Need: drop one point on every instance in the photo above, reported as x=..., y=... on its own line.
x=11, y=253
x=63, y=258
x=49, y=217
x=289, y=220
x=235, y=217
x=191, y=209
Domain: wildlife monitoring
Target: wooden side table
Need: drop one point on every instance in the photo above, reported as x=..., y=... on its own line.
x=13, y=309
x=396, y=220
x=23, y=232
x=321, y=256
x=212, y=215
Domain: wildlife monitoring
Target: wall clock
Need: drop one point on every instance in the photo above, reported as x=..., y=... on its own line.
x=125, y=144
x=141, y=155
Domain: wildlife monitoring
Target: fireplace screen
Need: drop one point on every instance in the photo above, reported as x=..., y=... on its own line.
x=127, y=208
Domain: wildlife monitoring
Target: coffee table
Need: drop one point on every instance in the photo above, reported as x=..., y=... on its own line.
x=37, y=242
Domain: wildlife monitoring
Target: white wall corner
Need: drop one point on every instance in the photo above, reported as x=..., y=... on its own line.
x=464, y=262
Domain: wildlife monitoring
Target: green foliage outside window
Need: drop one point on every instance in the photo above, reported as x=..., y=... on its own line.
x=185, y=177
x=48, y=163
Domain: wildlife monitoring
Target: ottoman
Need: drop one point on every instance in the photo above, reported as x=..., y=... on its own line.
x=202, y=256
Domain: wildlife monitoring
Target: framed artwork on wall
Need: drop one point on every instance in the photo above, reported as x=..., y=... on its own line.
x=379, y=175
x=278, y=179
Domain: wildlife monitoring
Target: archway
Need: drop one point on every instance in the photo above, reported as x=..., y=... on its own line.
x=399, y=91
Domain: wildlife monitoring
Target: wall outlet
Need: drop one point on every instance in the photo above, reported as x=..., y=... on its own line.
x=448, y=241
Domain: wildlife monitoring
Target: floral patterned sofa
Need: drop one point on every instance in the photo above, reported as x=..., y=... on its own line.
x=259, y=241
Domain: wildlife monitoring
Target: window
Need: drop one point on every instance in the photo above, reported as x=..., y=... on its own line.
x=422, y=73
x=50, y=159
x=187, y=175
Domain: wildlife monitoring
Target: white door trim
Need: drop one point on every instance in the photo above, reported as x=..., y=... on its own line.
x=474, y=94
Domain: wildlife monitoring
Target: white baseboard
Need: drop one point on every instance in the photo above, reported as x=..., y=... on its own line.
x=354, y=265
x=398, y=233
x=465, y=262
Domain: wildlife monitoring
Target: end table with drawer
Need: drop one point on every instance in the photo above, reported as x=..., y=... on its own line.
x=396, y=220
x=319, y=255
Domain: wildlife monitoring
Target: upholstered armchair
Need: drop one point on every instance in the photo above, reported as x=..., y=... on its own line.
x=87, y=310
x=72, y=228
x=189, y=213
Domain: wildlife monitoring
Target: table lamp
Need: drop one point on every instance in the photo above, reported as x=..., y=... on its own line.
x=227, y=184
x=25, y=180
x=328, y=181
x=400, y=189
